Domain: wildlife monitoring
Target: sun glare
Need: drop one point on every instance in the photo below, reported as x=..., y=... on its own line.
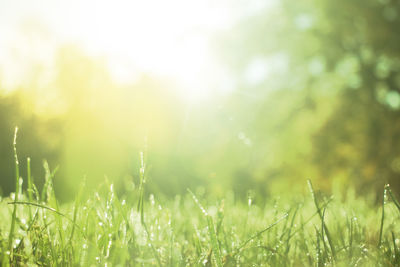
x=170, y=39
x=163, y=38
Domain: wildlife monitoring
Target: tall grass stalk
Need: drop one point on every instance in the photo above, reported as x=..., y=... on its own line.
x=140, y=206
x=211, y=231
x=322, y=217
x=17, y=186
x=382, y=216
x=30, y=188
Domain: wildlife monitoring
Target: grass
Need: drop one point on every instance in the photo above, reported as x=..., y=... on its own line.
x=139, y=229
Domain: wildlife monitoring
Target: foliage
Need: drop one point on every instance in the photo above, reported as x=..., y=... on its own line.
x=339, y=63
x=315, y=95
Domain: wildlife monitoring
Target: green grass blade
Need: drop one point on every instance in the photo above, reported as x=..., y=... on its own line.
x=322, y=217
x=308, y=220
x=140, y=206
x=52, y=200
x=394, y=199
x=290, y=230
x=14, y=213
x=30, y=189
x=15, y=203
x=214, y=241
x=382, y=216
x=260, y=233
x=76, y=207
x=211, y=231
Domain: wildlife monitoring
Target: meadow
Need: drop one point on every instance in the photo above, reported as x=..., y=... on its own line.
x=138, y=228
x=269, y=130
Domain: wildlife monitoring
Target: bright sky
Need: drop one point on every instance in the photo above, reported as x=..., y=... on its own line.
x=170, y=38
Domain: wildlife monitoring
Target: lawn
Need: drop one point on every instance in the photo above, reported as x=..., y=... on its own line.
x=138, y=228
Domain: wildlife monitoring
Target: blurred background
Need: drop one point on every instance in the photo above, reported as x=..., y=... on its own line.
x=254, y=96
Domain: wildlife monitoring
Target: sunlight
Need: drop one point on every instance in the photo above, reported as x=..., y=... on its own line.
x=164, y=38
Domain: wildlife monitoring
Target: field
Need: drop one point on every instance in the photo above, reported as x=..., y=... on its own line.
x=139, y=229
x=200, y=133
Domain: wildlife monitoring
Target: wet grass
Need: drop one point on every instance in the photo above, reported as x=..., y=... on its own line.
x=140, y=229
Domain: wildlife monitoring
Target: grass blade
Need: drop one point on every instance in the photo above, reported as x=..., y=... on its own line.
x=394, y=199
x=14, y=213
x=211, y=231
x=290, y=230
x=76, y=206
x=260, y=232
x=214, y=241
x=383, y=216
x=140, y=206
x=30, y=189
x=15, y=203
x=322, y=217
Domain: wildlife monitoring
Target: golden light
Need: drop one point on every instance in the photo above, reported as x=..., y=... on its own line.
x=169, y=39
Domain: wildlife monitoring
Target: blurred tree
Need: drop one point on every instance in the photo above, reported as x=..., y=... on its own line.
x=336, y=66
x=361, y=138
